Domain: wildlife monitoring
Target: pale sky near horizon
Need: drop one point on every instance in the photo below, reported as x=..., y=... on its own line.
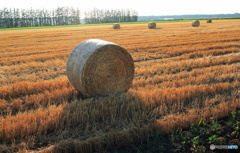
x=143, y=7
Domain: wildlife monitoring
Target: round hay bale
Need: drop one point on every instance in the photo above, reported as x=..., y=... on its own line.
x=97, y=67
x=116, y=26
x=209, y=21
x=152, y=25
x=195, y=23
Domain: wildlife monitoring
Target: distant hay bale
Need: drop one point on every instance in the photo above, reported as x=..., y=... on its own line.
x=152, y=25
x=116, y=26
x=195, y=23
x=98, y=67
x=209, y=21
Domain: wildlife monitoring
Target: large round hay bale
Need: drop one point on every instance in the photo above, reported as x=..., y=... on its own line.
x=152, y=25
x=98, y=67
x=116, y=26
x=209, y=21
x=195, y=23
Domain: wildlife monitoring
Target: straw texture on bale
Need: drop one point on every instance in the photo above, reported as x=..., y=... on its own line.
x=152, y=25
x=116, y=26
x=195, y=23
x=97, y=67
x=209, y=20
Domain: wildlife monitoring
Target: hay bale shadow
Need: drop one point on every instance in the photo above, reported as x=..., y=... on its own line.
x=100, y=123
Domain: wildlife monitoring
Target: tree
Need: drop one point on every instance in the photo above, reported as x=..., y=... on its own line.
x=38, y=17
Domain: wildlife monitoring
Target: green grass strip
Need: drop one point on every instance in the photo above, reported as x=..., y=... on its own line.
x=138, y=22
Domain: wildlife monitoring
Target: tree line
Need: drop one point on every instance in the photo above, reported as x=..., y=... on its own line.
x=109, y=16
x=10, y=18
x=15, y=17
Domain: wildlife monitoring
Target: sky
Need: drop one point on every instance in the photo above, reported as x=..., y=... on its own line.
x=143, y=7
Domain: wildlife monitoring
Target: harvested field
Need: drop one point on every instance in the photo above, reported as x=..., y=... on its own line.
x=182, y=75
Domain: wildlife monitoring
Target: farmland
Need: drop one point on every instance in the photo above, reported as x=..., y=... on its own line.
x=183, y=74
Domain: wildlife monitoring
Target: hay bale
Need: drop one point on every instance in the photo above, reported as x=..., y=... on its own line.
x=116, y=26
x=209, y=21
x=152, y=25
x=195, y=23
x=98, y=67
